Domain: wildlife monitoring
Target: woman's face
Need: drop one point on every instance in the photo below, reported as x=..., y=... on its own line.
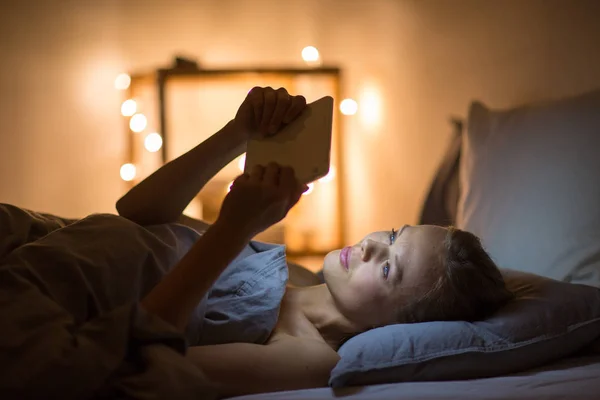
x=371, y=280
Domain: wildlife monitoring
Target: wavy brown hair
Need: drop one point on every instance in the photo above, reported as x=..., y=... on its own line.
x=471, y=287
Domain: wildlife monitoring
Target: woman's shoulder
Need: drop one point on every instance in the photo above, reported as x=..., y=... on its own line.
x=292, y=325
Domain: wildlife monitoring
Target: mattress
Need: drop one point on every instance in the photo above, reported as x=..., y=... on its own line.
x=572, y=378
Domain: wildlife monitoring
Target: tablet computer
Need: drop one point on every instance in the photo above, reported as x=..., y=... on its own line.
x=304, y=144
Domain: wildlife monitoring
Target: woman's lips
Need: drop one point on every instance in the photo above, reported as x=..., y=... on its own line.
x=345, y=257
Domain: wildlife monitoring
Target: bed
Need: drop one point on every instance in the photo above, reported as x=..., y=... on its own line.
x=572, y=378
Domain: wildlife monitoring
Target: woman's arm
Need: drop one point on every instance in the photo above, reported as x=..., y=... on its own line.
x=162, y=197
x=256, y=201
x=287, y=364
x=175, y=297
x=196, y=224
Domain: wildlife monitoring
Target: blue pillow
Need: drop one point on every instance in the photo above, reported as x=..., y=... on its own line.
x=547, y=320
x=243, y=304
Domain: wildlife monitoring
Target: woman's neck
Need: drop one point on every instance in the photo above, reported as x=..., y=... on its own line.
x=316, y=304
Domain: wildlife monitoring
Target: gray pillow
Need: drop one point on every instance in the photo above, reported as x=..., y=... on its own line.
x=547, y=320
x=530, y=182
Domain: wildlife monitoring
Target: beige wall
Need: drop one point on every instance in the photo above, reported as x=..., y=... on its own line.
x=62, y=139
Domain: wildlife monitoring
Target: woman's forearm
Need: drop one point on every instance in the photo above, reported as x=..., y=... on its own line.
x=176, y=296
x=162, y=197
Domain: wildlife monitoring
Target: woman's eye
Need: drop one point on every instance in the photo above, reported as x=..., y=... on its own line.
x=386, y=270
x=392, y=237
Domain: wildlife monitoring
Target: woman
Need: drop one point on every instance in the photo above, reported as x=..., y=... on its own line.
x=68, y=329
x=418, y=273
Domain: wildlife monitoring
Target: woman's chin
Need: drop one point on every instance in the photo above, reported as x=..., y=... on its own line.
x=332, y=266
x=331, y=258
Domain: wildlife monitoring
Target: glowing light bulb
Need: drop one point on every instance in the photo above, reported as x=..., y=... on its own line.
x=311, y=187
x=138, y=122
x=128, y=172
x=153, y=142
x=329, y=177
x=122, y=82
x=242, y=162
x=128, y=108
x=310, y=54
x=348, y=107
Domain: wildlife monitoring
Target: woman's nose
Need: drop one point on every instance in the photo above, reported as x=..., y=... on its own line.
x=369, y=248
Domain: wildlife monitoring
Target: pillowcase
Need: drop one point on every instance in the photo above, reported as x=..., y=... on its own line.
x=547, y=320
x=530, y=182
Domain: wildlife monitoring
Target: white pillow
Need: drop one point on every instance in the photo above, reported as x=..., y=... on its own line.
x=530, y=186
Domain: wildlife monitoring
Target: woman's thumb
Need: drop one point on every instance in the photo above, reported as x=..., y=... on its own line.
x=295, y=197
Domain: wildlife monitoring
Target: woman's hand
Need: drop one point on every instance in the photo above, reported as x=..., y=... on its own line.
x=265, y=111
x=260, y=199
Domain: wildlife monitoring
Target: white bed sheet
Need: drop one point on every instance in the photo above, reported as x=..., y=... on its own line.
x=573, y=378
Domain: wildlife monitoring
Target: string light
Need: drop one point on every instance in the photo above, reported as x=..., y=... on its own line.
x=153, y=142
x=138, y=122
x=311, y=187
x=348, y=107
x=128, y=172
x=122, y=81
x=310, y=55
x=128, y=108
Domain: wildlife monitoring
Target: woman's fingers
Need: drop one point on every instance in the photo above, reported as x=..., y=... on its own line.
x=283, y=104
x=272, y=173
x=269, y=104
x=290, y=187
x=287, y=179
x=296, y=106
x=240, y=179
x=295, y=198
x=289, y=183
x=256, y=175
x=277, y=107
x=255, y=99
x=273, y=108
